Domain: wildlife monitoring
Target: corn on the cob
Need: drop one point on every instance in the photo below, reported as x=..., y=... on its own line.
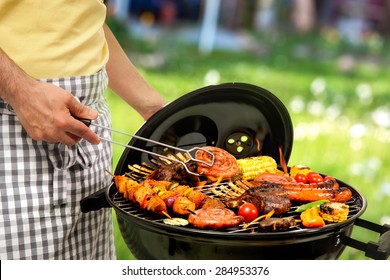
x=301, y=169
x=334, y=212
x=251, y=167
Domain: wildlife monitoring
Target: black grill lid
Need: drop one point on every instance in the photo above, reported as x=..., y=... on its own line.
x=232, y=116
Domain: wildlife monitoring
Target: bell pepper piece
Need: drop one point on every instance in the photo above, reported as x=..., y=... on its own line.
x=311, y=218
x=306, y=206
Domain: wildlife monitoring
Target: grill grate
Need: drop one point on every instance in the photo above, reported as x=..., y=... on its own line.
x=355, y=205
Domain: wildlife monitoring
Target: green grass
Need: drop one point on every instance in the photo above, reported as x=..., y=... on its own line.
x=324, y=138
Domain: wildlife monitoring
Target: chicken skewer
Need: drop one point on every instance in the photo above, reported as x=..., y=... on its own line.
x=159, y=196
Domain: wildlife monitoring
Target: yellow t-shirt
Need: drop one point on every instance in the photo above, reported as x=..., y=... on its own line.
x=54, y=38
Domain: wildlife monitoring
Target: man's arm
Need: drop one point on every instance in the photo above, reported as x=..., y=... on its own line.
x=44, y=110
x=126, y=81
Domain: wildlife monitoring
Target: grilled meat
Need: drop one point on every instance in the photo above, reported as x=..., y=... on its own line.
x=307, y=194
x=214, y=218
x=159, y=196
x=299, y=192
x=212, y=203
x=183, y=206
x=266, y=198
x=225, y=165
x=280, y=178
x=141, y=194
x=277, y=224
x=174, y=172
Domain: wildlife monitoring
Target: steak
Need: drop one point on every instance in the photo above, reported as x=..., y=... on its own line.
x=266, y=197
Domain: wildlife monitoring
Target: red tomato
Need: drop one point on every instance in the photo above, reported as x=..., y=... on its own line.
x=315, y=178
x=310, y=174
x=301, y=178
x=248, y=211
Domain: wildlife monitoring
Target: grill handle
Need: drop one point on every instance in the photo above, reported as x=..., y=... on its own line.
x=376, y=250
x=94, y=202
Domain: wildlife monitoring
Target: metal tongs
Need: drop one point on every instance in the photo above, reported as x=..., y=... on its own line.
x=189, y=157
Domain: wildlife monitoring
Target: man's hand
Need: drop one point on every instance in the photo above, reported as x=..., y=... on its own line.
x=44, y=110
x=46, y=113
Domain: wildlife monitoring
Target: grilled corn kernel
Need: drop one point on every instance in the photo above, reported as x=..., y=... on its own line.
x=334, y=212
x=299, y=169
x=251, y=167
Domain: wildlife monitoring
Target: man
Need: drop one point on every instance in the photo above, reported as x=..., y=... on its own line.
x=56, y=58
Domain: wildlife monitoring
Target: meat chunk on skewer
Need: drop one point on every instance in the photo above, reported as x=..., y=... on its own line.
x=277, y=224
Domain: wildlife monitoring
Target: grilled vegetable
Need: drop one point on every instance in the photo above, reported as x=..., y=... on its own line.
x=248, y=211
x=334, y=212
x=299, y=169
x=301, y=178
x=251, y=167
x=311, y=218
x=311, y=204
x=176, y=222
x=314, y=177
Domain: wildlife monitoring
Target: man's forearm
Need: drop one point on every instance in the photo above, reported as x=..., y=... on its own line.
x=12, y=78
x=125, y=80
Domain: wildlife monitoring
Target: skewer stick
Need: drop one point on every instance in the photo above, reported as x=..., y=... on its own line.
x=192, y=212
x=109, y=172
x=166, y=214
x=266, y=216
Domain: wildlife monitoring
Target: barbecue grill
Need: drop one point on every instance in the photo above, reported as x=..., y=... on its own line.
x=223, y=116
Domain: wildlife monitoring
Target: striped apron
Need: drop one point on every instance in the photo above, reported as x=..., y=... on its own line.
x=41, y=185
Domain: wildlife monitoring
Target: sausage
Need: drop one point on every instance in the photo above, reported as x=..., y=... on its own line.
x=299, y=192
x=309, y=194
x=284, y=181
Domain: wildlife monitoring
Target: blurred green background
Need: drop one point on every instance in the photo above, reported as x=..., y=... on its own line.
x=337, y=92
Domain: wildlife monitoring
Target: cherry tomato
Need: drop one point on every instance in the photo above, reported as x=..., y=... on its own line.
x=248, y=211
x=311, y=174
x=301, y=178
x=315, y=178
